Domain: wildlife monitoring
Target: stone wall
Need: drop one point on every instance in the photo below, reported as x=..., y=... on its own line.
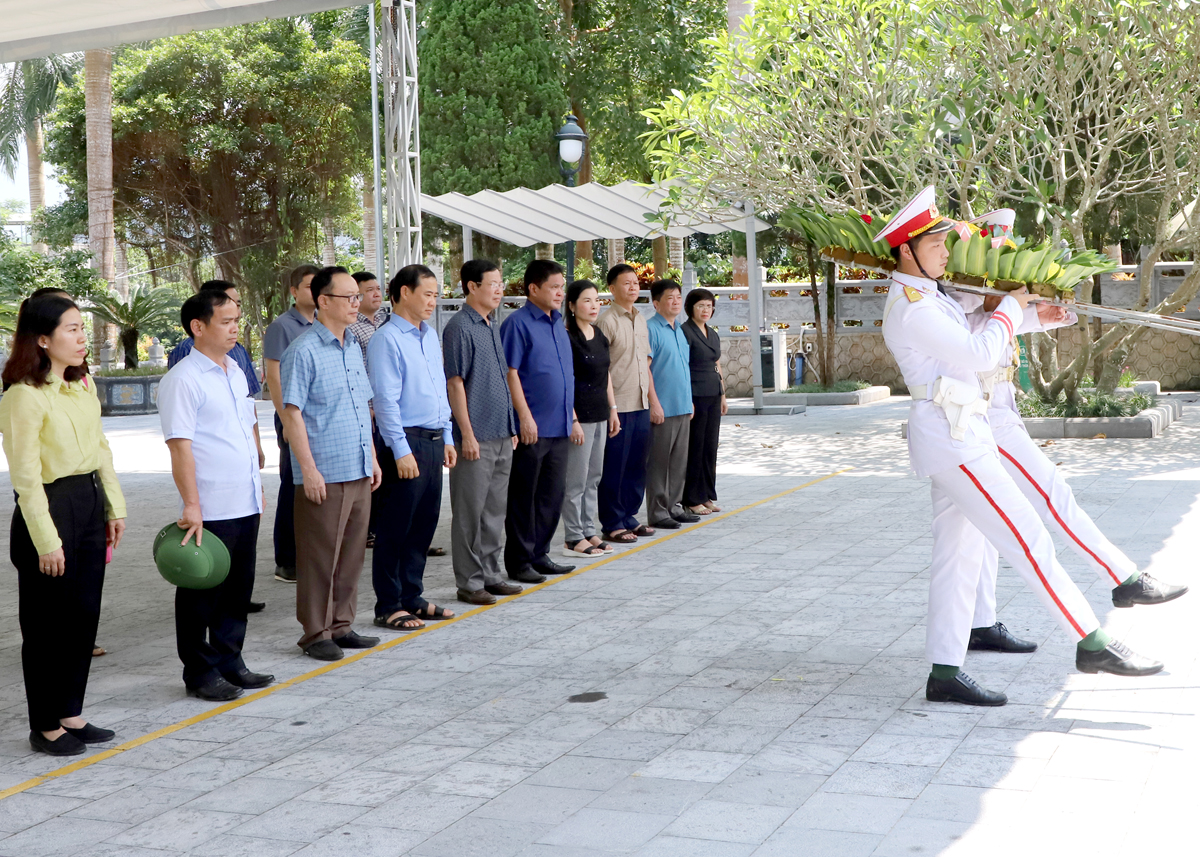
x=1172, y=359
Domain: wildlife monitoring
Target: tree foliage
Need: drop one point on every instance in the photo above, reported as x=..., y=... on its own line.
x=231, y=143
x=145, y=307
x=28, y=91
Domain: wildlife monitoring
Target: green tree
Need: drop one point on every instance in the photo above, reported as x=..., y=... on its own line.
x=491, y=96
x=230, y=144
x=145, y=307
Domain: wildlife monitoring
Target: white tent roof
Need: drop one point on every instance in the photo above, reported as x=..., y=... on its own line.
x=34, y=28
x=590, y=212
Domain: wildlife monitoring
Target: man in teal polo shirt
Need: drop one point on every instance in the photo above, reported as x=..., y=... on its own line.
x=670, y=410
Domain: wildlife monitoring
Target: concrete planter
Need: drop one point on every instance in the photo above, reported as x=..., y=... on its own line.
x=122, y=396
x=1151, y=422
x=858, y=397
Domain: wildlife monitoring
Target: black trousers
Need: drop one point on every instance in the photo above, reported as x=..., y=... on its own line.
x=408, y=515
x=536, y=487
x=58, y=615
x=210, y=624
x=623, y=482
x=700, y=485
x=285, y=516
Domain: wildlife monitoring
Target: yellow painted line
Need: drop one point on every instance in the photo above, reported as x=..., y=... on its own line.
x=349, y=659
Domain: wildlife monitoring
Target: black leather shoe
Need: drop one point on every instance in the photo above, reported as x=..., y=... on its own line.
x=217, y=690
x=64, y=745
x=256, y=607
x=324, y=650
x=549, y=566
x=686, y=517
x=666, y=524
x=285, y=575
x=997, y=638
x=1116, y=658
x=962, y=688
x=351, y=640
x=526, y=575
x=90, y=734
x=250, y=681
x=1146, y=590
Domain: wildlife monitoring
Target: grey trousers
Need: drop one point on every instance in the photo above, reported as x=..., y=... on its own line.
x=585, y=464
x=478, y=500
x=668, y=467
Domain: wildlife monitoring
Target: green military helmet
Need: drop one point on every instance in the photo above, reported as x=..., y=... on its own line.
x=191, y=566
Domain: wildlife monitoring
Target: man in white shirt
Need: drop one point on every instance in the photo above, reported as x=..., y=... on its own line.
x=211, y=428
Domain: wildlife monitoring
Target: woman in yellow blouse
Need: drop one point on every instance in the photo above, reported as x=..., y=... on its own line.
x=69, y=511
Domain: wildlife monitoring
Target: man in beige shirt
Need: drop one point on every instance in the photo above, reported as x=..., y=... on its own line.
x=624, y=481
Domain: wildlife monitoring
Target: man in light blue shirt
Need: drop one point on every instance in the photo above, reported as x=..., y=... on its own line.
x=324, y=391
x=412, y=413
x=670, y=410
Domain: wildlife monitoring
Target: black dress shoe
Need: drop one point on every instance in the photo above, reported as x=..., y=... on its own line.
x=686, y=517
x=526, y=575
x=250, y=681
x=997, y=638
x=549, y=566
x=1146, y=590
x=666, y=524
x=351, y=640
x=217, y=690
x=89, y=734
x=256, y=607
x=285, y=575
x=324, y=650
x=962, y=688
x=504, y=588
x=1115, y=658
x=65, y=744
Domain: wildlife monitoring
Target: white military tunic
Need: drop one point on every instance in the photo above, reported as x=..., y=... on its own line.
x=975, y=500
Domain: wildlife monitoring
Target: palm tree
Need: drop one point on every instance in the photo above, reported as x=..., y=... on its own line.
x=145, y=307
x=28, y=91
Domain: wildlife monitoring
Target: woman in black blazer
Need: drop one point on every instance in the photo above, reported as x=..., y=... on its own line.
x=708, y=398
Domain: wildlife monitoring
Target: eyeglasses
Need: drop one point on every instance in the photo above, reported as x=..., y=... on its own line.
x=355, y=298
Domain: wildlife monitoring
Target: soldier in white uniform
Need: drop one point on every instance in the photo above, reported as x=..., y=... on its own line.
x=974, y=499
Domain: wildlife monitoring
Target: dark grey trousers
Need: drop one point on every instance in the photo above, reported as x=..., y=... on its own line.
x=478, y=500
x=668, y=467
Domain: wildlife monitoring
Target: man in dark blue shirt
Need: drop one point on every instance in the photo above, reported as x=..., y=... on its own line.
x=541, y=378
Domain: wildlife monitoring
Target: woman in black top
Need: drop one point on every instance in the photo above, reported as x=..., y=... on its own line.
x=595, y=421
x=708, y=398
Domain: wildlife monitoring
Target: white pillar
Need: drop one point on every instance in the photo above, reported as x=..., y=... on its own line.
x=756, y=305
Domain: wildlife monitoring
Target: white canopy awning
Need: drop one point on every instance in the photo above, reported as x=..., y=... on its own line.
x=36, y=28
x=591, y=212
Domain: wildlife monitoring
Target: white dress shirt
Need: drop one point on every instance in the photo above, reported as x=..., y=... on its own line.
x=207, y=404
x=929, y=336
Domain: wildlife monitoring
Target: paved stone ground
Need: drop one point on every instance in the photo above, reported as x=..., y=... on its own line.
x=763, y=677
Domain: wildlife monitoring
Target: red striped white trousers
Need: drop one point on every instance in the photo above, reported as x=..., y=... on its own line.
x=1045, y=488
x=973, y=504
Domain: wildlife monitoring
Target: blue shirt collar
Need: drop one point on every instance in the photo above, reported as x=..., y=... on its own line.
x=407, y=326
x=674, y=325
x=538, y=313
x=326, y=335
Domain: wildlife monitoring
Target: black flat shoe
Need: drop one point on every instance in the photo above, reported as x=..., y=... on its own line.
x=962, y=689
x=686, y=517
x=503, y=588
x=666, y=524
x=351, y=640
x=1115, y=658
x=526, y=575
x=64, y=745
x=997, y=638
x=89, y=734
x=256, y=607
x=285, y=575
x=549, y=566
x=217, y=690
x=1146, y=590
x=324, y=650
x=250, y=681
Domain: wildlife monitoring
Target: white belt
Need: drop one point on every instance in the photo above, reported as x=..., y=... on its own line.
x=958, y=400
x=989, y=380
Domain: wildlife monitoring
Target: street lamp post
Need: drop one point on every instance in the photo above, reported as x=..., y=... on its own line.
x=571, y=139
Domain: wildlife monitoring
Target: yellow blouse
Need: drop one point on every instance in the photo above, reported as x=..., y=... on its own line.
x=51, y=432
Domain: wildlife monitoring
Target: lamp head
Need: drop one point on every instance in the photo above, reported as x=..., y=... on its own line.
x=570, y=141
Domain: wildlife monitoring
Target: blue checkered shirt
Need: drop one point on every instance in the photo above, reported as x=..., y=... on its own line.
x=328, y=383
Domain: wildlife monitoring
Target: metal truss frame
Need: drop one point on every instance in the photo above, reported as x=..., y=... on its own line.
x=402, y=137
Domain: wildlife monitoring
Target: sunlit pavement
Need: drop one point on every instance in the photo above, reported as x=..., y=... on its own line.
x=762, y=679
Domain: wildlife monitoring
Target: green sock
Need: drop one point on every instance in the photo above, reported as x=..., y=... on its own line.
x=1131, y=579
x=1095, y=641
x=942, y=672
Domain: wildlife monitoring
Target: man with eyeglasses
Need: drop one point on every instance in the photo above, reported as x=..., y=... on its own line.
x=324, y=390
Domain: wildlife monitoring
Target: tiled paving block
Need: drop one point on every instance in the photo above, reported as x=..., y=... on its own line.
x=607, y=829
x=541, y=804
x=58, y=836
x=703, y=766
x=652, y=795
x=180, y=829
x=729, y=822
x=482, y=837
x=300, y=821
